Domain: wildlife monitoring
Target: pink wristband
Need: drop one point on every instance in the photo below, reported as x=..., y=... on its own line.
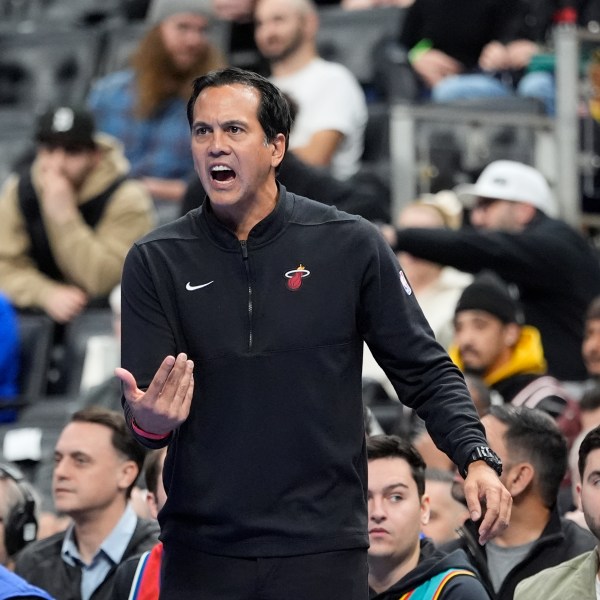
x=146, y=434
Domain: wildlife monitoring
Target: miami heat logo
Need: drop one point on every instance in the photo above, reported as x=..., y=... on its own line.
x=295, y=277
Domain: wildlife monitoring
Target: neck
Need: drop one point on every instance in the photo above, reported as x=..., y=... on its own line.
x=242, y=218
x=296, y=61
x=92, y=528
x=384, y=572
x=503, y=359
x=528, y=520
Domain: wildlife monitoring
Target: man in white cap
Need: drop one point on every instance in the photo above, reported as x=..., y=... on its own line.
x=555, y=269
x=144, y=106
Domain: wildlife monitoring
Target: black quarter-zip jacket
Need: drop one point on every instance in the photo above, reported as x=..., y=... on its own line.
x=271, y=460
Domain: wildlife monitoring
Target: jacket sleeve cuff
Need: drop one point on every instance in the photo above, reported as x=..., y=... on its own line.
x=146, y=434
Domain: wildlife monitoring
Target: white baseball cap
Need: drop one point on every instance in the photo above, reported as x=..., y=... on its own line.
x=512, y=181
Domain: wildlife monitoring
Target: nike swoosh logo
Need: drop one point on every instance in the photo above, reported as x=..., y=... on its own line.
x=191, y=288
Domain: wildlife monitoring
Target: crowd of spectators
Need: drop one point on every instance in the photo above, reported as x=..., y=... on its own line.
x=509, y=289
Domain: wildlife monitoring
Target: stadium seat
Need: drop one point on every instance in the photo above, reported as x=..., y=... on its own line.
x=45, y=67
x=16, y=127
x=351, y=37
x=36, y=334
x=92, y=322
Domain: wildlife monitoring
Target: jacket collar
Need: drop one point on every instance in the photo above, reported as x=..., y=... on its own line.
x=262, y=233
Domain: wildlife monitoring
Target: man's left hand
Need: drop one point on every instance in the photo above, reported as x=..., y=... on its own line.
x=483, y=488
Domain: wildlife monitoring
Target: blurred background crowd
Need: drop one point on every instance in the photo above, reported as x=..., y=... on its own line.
x=94, y=153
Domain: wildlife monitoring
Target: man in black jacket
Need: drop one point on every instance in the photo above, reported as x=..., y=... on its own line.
x=554, y=267
x=243, y=329
x=139, y=576
x=534, y=453
x=401, y=561
x=97, y=462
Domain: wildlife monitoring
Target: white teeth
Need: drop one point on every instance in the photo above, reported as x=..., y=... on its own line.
x=220, y=168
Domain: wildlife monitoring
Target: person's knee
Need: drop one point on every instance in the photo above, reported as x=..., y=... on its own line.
x=461, y=87
x=539, y=85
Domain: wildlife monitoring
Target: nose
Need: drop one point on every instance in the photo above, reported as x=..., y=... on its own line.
x=376, y=510
x=195, y=38
x=60, y=469
x=218, y=143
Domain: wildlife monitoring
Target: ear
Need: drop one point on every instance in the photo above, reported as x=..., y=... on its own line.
x=425, y=509
x=518, y=478
x=512, y=333
x=578, y=503
x=311, y=24
x=524, y=212
x=278, y=151
x=152, y=504
x=128, y=474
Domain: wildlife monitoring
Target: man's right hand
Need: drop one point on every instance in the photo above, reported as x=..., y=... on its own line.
x=165, y=405
x=64, y=302
x=434, y=65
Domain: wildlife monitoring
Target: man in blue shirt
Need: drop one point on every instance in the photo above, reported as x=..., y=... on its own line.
x=145, y=106
x=97, y=462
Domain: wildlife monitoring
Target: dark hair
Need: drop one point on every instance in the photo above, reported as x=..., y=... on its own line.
x=392, y=446
x=441, y=475
x=153, y=468
x=122, y=439
x=533, y=435
x=590, y=399
x=593, y=310
x=590, y=442
x=273, y=109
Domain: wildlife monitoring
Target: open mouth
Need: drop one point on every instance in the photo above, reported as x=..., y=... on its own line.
x=222, y=173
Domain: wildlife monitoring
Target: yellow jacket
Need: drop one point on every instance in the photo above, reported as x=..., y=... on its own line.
x=527, y=357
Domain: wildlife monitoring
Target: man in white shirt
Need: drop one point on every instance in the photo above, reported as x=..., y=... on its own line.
x=332, y=111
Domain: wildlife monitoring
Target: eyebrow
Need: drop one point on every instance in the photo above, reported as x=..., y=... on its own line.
x=225, y=124
x=391, y=487
x=594, y=473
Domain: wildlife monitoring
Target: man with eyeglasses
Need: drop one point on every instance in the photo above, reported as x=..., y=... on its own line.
x=67, y=222
x=513, y=233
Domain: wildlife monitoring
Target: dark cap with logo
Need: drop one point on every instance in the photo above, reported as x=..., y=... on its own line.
x=66, y=126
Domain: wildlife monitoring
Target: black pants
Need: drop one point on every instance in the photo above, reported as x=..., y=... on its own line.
x=191, y=575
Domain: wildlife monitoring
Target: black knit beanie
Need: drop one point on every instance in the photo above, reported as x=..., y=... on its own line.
x=491, y=294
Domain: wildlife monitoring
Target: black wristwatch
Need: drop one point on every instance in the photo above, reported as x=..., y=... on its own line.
x=486, y=454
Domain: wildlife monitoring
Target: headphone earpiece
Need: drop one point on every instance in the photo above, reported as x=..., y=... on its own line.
x=20, y=526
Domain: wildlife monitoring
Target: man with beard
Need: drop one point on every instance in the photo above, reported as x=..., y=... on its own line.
x=67, y=220
x=534, y=455
x=578, y=577
x=553, y=266
x=144, y=106
x=332, y=111
x=491, y=341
